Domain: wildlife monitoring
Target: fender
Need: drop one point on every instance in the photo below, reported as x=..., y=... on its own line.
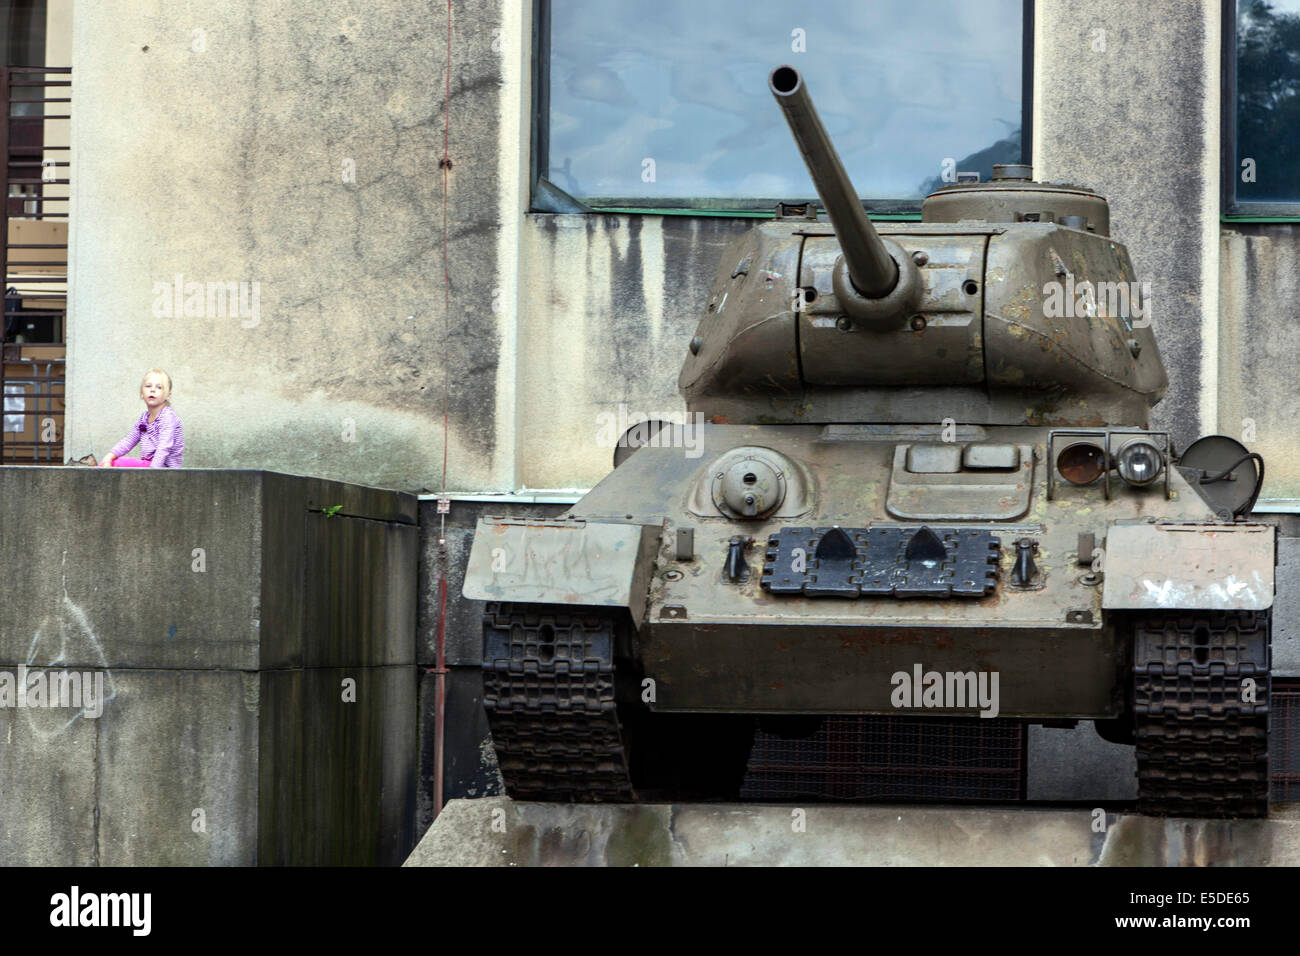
x=562, y=561
x=1179, y=566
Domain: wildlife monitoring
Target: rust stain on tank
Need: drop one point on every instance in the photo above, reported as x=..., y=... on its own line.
x=864, y=643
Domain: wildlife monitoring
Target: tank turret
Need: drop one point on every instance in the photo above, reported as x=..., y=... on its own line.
x=875, y=281
x=1008, y=304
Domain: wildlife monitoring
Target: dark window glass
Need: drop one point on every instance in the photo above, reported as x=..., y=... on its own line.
x=1268, y=101
x=22, y=32
x=22, y=40
x=665, y=102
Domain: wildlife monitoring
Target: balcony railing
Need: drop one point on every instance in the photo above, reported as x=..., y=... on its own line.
x=35, y=146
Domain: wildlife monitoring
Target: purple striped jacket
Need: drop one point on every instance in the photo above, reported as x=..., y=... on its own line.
x=162, y=441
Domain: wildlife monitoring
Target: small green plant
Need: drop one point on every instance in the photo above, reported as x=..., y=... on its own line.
x=331, y=511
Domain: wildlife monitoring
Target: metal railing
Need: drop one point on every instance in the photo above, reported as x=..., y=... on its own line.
x=33, y=261
x=891, y=758
x=1284, y=740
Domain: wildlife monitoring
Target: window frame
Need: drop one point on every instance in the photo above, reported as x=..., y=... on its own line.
x=545, y=197
x=1232, y=210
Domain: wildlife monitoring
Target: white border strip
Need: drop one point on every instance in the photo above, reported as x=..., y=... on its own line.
x=518, y=498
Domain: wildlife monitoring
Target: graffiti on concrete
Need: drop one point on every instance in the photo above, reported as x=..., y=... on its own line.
x=62, y=637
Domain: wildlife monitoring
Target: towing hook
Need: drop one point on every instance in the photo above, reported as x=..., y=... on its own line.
x=737, y=568
x=1025, y=569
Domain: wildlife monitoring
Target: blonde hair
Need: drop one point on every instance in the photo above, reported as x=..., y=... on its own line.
x=167, y=383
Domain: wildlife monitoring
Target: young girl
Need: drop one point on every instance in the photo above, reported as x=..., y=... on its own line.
x=162, y=442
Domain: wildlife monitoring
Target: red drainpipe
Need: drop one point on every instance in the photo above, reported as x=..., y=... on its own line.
x=440, y=712
x=443, y=505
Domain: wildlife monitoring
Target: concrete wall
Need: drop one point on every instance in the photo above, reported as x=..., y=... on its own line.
x=552, y=318
x=58, y=32
x=211, y=143
x=500, y=832
x=58, y=52
x=1126, y=102
x=612, y=302
x=223, y=669
x=1259, y=345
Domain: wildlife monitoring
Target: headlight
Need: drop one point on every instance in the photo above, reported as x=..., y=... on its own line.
x=1139, y=462
x=1142, y=458
x=1081, y=463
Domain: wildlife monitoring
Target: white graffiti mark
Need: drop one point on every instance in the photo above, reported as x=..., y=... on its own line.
x=73, y=631
x=1161, y=595
x=1226, y=593
x=538, y=563
x=1231, y=592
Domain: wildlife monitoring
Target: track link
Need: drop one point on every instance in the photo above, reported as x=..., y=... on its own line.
x=1201, y=729
x=548, y=688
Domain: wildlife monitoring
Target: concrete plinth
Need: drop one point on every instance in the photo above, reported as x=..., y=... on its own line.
x=257, y=660
x=496, y=831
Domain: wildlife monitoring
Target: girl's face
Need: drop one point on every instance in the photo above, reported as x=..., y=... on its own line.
x=154, y=390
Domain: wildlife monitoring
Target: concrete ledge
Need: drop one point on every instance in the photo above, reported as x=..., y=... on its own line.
x=254, y=635
x=496, y=831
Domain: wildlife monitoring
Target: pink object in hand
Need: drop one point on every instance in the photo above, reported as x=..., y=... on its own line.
x=130, y=463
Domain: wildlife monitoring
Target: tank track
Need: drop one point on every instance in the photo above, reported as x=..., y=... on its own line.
x=548, y=689
x=1201, y=750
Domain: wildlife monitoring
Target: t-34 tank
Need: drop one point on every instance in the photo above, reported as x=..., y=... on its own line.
x=924, y=484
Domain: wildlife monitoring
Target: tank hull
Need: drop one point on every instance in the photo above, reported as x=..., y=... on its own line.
x=713, y=640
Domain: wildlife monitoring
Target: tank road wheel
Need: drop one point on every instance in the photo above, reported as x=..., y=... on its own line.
x=548, y=688
x=1200, y=711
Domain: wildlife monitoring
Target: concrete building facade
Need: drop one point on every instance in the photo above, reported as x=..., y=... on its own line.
x=316, y=217
x=293, y=154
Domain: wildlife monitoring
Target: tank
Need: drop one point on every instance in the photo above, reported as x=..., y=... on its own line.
x=918, y=479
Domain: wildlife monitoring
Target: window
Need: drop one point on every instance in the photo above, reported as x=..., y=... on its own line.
x=663, y=104
x=22, y=32
x=22, y=40
x=1261, y=108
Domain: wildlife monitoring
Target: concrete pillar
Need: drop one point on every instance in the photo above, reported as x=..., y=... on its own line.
x=1127, y=102
x=222, y=615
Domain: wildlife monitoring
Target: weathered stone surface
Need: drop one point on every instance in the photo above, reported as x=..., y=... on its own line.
x=100, y=567
x=297, y=146
x=108, y=564
x=172, y=742
x=614, y=302
x=1286, y=609
x=268, y=682
x=1120, y=89
x=496, y=831
x=48, y=781
x=1257, y=399
x=339, y=786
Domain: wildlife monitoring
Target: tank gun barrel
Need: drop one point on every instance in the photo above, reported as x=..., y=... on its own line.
x=872, y=270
